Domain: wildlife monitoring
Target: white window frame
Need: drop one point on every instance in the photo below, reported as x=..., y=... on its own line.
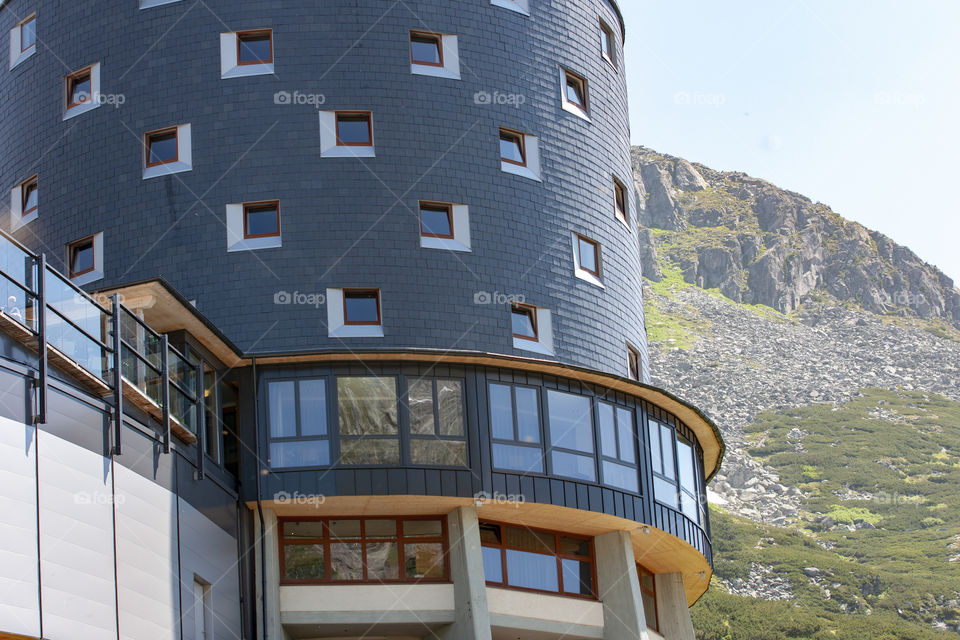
x=184, y=155
x=236, y=241
x=230, y=67
x=337, y=328
x=520, y=6
x=149, y=4
x=461, y=230
x=202, y=609
x=16, y=55
x=88, y=105
x=544, y=342
x=89, y=276
x=580, y=272
x=531, y=148
x=17, y=219
x=451, y=60
x=566, y=104
x=328, y=138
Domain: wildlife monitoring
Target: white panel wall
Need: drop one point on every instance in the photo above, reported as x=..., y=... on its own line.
x=206, y=551
x=146, y=558
x=19, y=595
x=76, y=542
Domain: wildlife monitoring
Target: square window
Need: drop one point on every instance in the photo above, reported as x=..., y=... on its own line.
x=261, y=219
x=255, y=47
x=354, y=129
x=436, y=220
x=161, y=147
x=81, y=255
x=524, y=321
x=512, y=147
x=575, y=90
x=29, y=192
x=620, y=200
x=588, y=254
x=361, y=306
x=608, y=43
x=79, y=88
x=28, y=33
x=633, y=363
x=426, y=48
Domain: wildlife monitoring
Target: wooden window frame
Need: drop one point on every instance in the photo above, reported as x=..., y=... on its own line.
x=368, y=323
x=503, y=547
x=399, y=539
x=610, y=39
x=86, y=71
x=569, y=75
x=148, y=140
x=436, y=206
x=33, y=18
x=260, y=204
x=619, y=189
x=641, y=571
x=437, y=37
x=252, y=33
x=596, y=254
x=633, y=356
x=531, y=311
x=522, y=143
x=70, y=249
x=336, y=125
x=33, y=181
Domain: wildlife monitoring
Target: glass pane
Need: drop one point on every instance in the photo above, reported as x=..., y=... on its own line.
x=353, y=129
x=425, y=49
x=344, y=528
x=423, y=560
x=31, y=194
x=361, y=307
x=283, y=409
x=300, y=453
x=434, y=451
x=81, y=258
x=608, y=431
x=367, y=406
x=303, y=529
x=379, y=451
x=574, y=546
x=665, y=492
x=654, y=431
x=79, y=89
x=380, y=529
x=650, y=610
x=262, y=221
x=435, y=221
x=588, y=255
x=420, y=398
x=346, y=561
x=620, y=476
x=28, y=34
x=532, y=570
x=688, y=478
x=526, y=459
x=530, y=540
x=303, y=561
x=501, y=412
x=383, y=561
x=523, y=323
x=688, y=505
x=313, y=407
x=422, y=529
x=666, y=445
x=492, y=564
x=577, y=577
x=510, y=148
x=212, y=434
x=575, y=91
x=163, y=147
x=605, y=42
x=528, y=415
x=450, y=405
x=254, y=48
x=574, y=466
x=625, y=435
x=570, y=423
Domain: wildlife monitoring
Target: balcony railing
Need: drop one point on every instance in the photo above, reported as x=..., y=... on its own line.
x=45, y=311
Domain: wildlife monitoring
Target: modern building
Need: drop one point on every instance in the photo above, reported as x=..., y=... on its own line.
x=325, y=320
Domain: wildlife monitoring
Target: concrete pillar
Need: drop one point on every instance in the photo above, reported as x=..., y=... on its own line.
x=472, y=617
x=270, y=544
x=673, y=612
x=619, y=588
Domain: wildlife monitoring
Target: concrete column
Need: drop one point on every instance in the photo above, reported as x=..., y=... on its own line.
x=619, y=588
x=472, y=617
x=270, y=545
x=672, y=609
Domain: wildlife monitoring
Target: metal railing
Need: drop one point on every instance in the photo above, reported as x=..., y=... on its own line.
x=110, y=350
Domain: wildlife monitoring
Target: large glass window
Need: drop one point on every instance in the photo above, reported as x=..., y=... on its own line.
x=618, y=453
x=367, y=550
x=437, y=435
x=297, y=411
x=664, y=468
x=367, y=410
x=571, y=436
x=676, y=470
x=687, y=473
x=538, y=560
x=515, y=427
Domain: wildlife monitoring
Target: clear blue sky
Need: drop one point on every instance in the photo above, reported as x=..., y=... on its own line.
x=855, y=104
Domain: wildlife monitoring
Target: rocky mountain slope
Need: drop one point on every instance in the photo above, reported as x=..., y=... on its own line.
x=779, y=318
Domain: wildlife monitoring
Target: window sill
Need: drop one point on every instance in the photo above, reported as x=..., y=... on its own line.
x=166, y=169
x=447, y=244
x=512, y=5
x=575, y=110
x=253, y=244
x=247, y=70
x=586, y=276
x=517, y=170
x=349, y=152
x=17, y=222
x=436, y=72
x=81, y=109
x=87, y=278
x=357, y=331
x=15, y=60
x=149, y=4
x=530, y=345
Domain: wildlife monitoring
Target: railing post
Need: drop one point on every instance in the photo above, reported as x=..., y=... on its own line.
x=165, y=391
x=41, y=417
x=117, y=378
x=201, y=418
